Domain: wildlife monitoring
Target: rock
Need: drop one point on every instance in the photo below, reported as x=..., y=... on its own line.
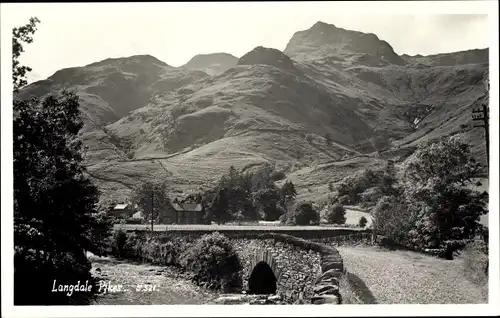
x=325, y=299
x=326, y=266
x=326, y=289
x=225, y=300
x=274, y=298
x=329, y=273
x=258, y=302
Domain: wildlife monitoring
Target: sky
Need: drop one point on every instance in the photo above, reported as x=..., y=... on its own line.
x=77, y=34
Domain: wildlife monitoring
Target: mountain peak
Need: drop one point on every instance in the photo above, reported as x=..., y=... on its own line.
x=212, y=63
x=331, y=40
x=141, y=58
x=267, y=56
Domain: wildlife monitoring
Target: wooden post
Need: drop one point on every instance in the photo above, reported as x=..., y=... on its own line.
x=152, y=210
x=484, y=117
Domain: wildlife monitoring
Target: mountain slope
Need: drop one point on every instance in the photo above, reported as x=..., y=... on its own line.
x=332, y=95
x=212, y=64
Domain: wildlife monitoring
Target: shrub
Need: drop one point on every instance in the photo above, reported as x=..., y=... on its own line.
x=336, y=214
x=118, y=241
x=344, y=199
x=304, y=214
x=375, y=182
x=362, y=221
x=436, y=192
x=214, y=262
x=392, y=219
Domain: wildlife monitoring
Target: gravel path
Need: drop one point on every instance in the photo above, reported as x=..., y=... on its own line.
x=170, y=287
x=400, y=277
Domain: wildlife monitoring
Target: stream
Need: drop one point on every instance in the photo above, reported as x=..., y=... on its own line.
x=130, y=283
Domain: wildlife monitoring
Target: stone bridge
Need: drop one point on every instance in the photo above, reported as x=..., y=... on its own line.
x=297, y=270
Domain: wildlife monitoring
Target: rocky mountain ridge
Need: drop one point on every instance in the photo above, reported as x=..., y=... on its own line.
x=331, y=96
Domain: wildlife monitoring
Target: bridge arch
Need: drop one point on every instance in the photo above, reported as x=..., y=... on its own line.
x=263, y=273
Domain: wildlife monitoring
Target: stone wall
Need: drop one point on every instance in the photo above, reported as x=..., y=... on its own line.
x=325, y=289
x=295, y=269
x=306, y=271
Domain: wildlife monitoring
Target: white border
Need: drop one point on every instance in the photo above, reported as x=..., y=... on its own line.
x=409, y=7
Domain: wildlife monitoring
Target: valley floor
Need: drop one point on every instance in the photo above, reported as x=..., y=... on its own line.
x=400, y=277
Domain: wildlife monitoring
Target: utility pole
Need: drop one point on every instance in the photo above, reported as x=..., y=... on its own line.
x=482, y=114
x=152, y=210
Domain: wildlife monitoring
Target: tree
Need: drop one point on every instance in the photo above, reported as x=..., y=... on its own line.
x=304, y=214
x=287, y=194
x=219, y=208
x=21, y=35
x=262, y=178
x=437, y=190
x=152, y=198
x=266, y=200
x=362, y=222
x=336, y=214
x=392, y=219
x=101, y=230
x=51, y=188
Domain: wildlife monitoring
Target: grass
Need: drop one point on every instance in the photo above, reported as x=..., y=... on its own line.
x=475, y=266
x=400, y=277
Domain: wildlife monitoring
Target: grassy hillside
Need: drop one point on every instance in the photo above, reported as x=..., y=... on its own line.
x=335, y=101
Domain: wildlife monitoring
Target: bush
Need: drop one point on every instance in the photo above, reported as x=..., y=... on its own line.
x=344, y=199
x=437, y=192
x=336, y=214
x=369, y=185
x=392, y=219
x=214, y=262
x=362, y=221
x=118, y=241
x=304, y=214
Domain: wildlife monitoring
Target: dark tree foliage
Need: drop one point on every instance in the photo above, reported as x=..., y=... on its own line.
x=219, y=208
x=21, y=35
x=437, y=189
x=368, y=186
x=362, y=221
x=336, y=214
x=56, y=217
x=261, y=179
x=287, y=194
x=304, y=214
x=238, y=188
x=54, y=201
x=152, y=198
x=267, y=201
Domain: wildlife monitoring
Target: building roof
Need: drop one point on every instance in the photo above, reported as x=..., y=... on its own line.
x=137, y=215
x=121, y=206
x=187, y=207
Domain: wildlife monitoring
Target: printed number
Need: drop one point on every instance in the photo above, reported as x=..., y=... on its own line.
x=145, y=288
